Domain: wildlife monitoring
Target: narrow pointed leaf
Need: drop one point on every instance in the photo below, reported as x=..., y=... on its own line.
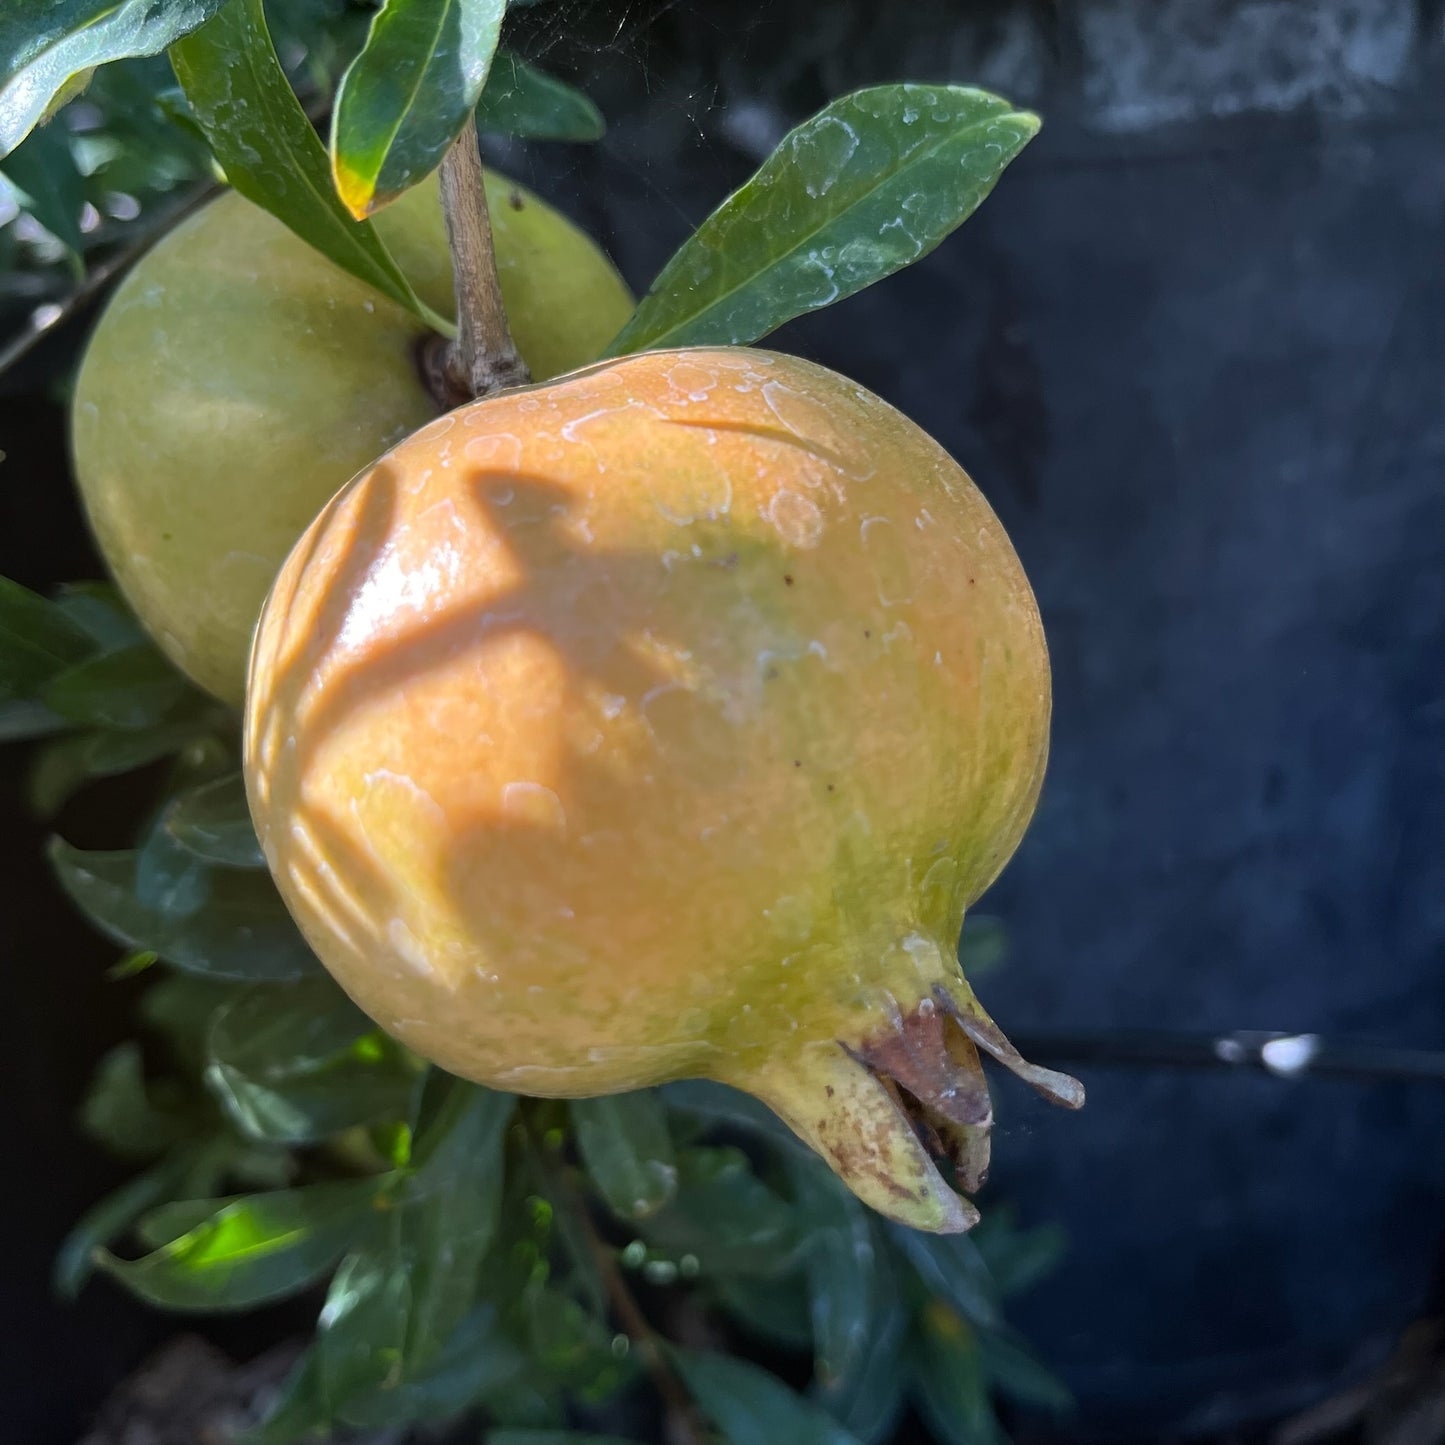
x=21, y=719
x=1017, y=1258
x=37, y=640
x=869, y=1400
x=47, y=45
x=407, y=96
x=751, y=1406
x=297, y=1063
x=951, y=1268
x=251, y=1250
x=262, y=138
x=948, y=1383
x=520, y=100
x=214, y=822
x=101, y=613
x=1013, y=1369
x=627, y=1151
x=135, y=687
x=240, y=929
x=51, y=187
x=868, y=185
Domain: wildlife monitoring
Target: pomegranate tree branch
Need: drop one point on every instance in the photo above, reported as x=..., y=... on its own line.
x=484, y=358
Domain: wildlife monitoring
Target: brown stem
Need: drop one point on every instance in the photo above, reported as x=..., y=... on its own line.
x=484, y=358
x=685, y=1427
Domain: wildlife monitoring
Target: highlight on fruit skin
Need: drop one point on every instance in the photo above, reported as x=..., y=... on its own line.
x=237, y=379
x=662, y=722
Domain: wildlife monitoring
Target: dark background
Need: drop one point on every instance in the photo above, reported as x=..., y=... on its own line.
x=1193, y=350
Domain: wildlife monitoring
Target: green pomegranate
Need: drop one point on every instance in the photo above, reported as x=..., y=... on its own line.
x=238, y=378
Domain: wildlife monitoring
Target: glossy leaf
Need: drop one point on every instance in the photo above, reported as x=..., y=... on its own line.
x=133, y=688
x=37, y=640
x=261, y=136
x=240, y=931
x=51, y=187
x=871, y=183
x=297, y=1063
x=213, y=821
x=406, y=97
x=397, y=1299
x=724, y=1216
x=46, y=45
x=520, y=100
x=752, y=1407
x=106, y=1221
x=948, y=1383
x=251, y=1250
x=840, y=1260
x=950, y=1267
x=627, y=1151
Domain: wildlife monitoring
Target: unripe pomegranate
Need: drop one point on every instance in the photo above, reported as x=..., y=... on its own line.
x=237, y=378
x=662, y=722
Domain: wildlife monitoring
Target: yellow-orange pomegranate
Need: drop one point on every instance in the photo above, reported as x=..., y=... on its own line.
x=661, y=722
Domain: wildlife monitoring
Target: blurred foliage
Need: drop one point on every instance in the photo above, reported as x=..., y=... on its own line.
x=470, y=1252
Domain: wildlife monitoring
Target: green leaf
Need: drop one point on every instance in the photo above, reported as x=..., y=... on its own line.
x=179, y=1007
x=627, y=1151
x=21, y=720
x=406, y=97
x=752, y=1407
x=397, y=1298
x=213, y=821
x=1017, y=1258
x=573, y=1346
x=261, y=136
x=37, y=639
x=868, y=185
x=65, y=764
x=774, y=1307
x=239, y=930
x=947, y=1380
x=45, y=45
x=296, y=1063
x=52, y=189
x=520, y=100
x=133, y=688
x=717, y=1104
x=870, y=1399
x=118, y=1110
x=1012, y=1368
x=251, y=1250
x=724, y=1216
x=101, y=612
x=840, y=1259
x=950, y=1267
x=107, y=1220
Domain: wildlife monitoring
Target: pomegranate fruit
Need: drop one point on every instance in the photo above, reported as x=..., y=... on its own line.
x=662, y=722
x=237, y=378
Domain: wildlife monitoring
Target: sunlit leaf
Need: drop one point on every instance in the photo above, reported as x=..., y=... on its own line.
x=45, y=45
x=261, y=136
x=297, y=1063
x=627, y=1151
x=37, y=640
x=133, y=688
x=751, y=1406
x=213, y=821
x=520, y=100
x=241, y=930
x=408, y=94
x=250, y=1250
x=868, y=185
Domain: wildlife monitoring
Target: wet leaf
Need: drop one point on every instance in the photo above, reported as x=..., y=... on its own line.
x=46, y=45
x=627, y=1151
x=251, y=1250
x=239, y=928
x=297, y=1063
x=724, y=1216
x=37, y=639
x=947, y=1381
x=520, y=100
x=261, y=136
x=406, y=97
x=213, y=821
x=751, y=1406
x=871, y=183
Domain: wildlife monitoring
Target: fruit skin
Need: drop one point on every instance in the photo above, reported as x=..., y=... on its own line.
x=662, y=722
x=238, y=378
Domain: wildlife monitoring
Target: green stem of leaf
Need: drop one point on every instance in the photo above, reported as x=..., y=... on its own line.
x=483, y=359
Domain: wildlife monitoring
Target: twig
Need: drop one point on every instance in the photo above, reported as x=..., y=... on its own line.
x=682, y=1414
x=484, y=358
